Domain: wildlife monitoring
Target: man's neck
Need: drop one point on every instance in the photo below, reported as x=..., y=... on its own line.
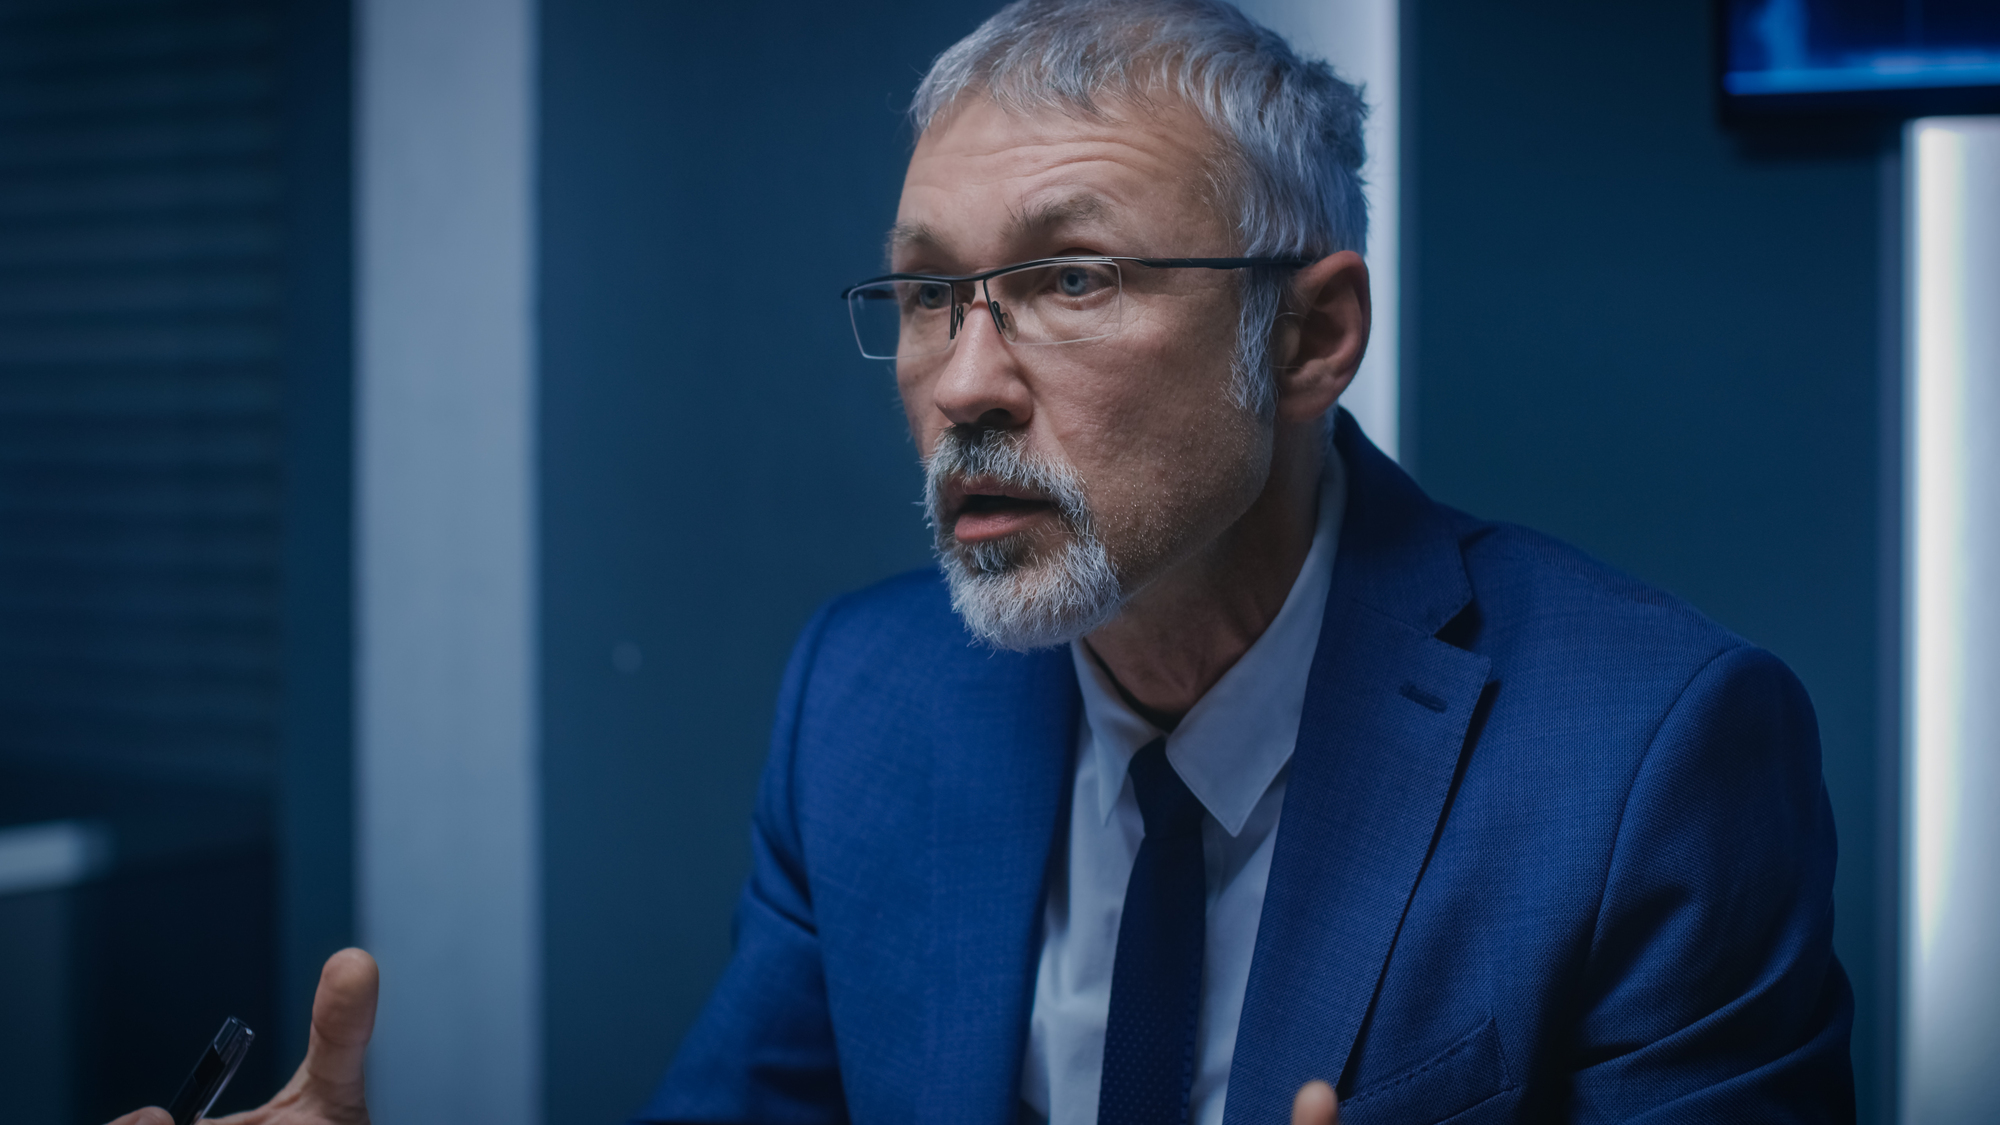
x=1187, y=628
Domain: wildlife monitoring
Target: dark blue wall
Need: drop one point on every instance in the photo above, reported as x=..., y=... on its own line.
x=1664, y=340
x=715, y=460
x=174, y=517
x=315, y=790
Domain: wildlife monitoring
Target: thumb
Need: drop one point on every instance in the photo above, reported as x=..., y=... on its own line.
x=151, y=1115
x=1315, y=1105
x=343, y=1018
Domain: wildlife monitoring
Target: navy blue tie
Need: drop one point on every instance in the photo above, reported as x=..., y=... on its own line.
x=1156, y=981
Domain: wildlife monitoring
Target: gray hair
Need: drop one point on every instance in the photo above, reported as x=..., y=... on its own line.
x=1289, y=128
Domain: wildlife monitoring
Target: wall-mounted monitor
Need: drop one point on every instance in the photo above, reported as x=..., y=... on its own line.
x=1893, y=56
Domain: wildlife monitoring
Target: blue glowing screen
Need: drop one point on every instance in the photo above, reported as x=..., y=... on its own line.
x=1834, y=46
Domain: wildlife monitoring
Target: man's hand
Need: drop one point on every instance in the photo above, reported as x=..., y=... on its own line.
x=1315, y=1105
x=329, y=1088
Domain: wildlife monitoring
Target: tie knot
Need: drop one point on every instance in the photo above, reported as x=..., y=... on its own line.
x=1168, y=806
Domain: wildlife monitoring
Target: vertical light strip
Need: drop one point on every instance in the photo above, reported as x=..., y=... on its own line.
x=447, y=784
x=1937, y=683
x=1951, y=1017
x=1359, y=37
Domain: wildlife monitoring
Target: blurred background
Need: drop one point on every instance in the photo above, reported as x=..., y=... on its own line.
x=425, y=424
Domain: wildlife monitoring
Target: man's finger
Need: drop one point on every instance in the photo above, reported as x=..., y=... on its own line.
x=343, y=1019
x=1315, y=1105
x=151, y=1115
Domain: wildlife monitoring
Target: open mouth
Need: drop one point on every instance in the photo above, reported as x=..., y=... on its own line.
x=983, y=502
x=984, y=510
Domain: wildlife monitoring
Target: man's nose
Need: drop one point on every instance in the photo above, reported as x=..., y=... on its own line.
x=982, y=382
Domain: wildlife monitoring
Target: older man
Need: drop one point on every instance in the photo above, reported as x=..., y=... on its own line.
x=1281, y=772
x=1219, y=764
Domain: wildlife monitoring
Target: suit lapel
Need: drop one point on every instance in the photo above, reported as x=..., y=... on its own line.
x=999, y=789
x=1387, y=710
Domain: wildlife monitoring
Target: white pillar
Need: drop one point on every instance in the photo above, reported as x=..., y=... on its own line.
x=446, y=763
x=1359, y=37
x=1951, y=1029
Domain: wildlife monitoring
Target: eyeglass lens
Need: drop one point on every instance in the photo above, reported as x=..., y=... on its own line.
x=1067, y=302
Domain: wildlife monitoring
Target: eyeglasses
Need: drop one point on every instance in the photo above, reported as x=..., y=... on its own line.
x=1047, y=301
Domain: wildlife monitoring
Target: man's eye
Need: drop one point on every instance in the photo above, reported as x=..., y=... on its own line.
x=932, y=296
x=1078, y=281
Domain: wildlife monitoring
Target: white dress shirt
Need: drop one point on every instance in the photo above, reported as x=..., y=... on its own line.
x=1231, y=749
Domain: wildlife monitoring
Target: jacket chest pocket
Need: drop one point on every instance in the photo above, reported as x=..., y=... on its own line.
x=1461, y=1077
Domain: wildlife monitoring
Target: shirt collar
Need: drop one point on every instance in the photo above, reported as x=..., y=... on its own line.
x=1238, y=737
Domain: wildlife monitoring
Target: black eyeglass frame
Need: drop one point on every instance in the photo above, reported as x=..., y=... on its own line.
x=954, y=281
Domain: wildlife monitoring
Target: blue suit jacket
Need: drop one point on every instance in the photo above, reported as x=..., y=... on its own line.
x=1554, y=847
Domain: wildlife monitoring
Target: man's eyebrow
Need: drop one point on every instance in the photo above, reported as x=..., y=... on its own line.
x=913, y=234
x=1038, y=219
x=906, y=236
x=1057, y=213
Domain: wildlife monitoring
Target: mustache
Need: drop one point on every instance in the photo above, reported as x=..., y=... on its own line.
x=968, y=451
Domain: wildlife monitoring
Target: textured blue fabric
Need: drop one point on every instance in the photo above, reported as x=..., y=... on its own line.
x=1156, y=978
x=1555, y=847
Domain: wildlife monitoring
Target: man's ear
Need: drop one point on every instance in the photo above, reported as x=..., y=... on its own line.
x=1321, y=332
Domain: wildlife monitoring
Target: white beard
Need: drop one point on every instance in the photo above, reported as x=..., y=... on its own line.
x=1006, y=596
